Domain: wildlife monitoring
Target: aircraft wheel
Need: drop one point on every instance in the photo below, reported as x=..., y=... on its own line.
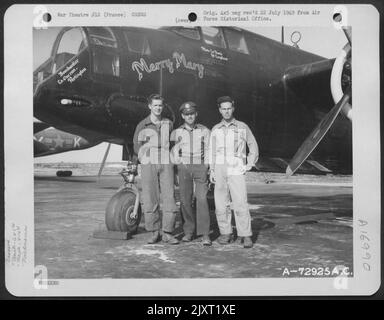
x=118, y=214
x=64, y=173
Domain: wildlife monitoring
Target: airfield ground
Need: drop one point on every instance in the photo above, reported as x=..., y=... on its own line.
x=303, y=222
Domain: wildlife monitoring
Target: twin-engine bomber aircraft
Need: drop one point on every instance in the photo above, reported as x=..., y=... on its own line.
x=95, y=84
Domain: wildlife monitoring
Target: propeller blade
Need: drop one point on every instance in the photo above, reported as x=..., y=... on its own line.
x=348, y=34
x=103, y=162
x=316, y=135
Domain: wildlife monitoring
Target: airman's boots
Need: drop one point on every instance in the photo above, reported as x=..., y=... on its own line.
x=225, y=239
x=206, y=240
x=169, y=238
x=248, y=242
x=155, y=237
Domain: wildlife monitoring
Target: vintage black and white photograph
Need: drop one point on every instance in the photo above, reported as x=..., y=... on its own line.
x=96, y=86
x=207, y=150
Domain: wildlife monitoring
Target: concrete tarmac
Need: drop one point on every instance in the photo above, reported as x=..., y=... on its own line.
x=295, y=226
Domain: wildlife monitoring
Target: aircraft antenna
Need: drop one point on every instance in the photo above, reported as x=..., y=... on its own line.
x=282, y=34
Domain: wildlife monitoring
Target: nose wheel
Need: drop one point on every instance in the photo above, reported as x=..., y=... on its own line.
x=123, y=211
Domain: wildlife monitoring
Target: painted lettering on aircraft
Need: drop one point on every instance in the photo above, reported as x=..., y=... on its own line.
x=181, y=60
x=142, y=65
x=70, y=73
x=68, y=68
x=58, y=141
x=76, y=142
x=214, y=53
x=178, y=60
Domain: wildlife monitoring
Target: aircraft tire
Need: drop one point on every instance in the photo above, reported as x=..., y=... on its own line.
x=64, y=173
x=119, y=208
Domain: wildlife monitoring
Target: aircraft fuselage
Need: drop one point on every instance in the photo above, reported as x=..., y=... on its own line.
x=103, y=86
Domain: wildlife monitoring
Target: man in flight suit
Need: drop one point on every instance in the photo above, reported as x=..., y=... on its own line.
x=151, y=144
x=190, y=153
x=227, y=170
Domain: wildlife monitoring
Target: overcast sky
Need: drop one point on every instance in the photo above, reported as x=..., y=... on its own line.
x=326, y=42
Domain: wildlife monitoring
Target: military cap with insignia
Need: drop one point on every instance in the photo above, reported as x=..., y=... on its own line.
x=188, y=107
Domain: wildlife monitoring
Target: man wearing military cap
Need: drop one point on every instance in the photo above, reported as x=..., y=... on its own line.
x=190, y=153
x=228, y=164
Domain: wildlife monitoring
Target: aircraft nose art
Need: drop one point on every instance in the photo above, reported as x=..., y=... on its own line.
x=54, y=102
x=67, y=91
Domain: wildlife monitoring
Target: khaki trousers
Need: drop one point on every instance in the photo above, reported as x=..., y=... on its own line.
x=198, y=220
x=227, y=187
x=158, y=184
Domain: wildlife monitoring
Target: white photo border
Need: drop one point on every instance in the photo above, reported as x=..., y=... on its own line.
x=18, y=144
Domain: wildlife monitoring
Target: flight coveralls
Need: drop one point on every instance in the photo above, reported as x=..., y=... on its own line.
x=190, y=153
x=151, y=144
x=229, y=163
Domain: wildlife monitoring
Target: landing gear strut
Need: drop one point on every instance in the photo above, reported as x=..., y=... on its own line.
x=123, y=212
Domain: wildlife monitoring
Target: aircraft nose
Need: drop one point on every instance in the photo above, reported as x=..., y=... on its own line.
x=126, y=109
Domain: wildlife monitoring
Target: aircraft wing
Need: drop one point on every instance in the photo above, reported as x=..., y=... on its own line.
x=52, y=140
x=89, y=135
x=39, y=126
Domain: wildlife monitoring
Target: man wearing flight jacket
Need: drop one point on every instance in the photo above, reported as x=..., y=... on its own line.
x=228, y=164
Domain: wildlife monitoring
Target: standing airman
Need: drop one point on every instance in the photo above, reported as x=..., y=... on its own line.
x=228, y=164
x=191, y=155
x=151, y=144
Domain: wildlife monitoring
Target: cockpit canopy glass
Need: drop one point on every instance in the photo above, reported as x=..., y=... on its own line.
x=106, y=60
x=188, y=32
x=102, y=36
x=137, y=42
x=213, y=36
x=236, y=40
x=71, y=43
